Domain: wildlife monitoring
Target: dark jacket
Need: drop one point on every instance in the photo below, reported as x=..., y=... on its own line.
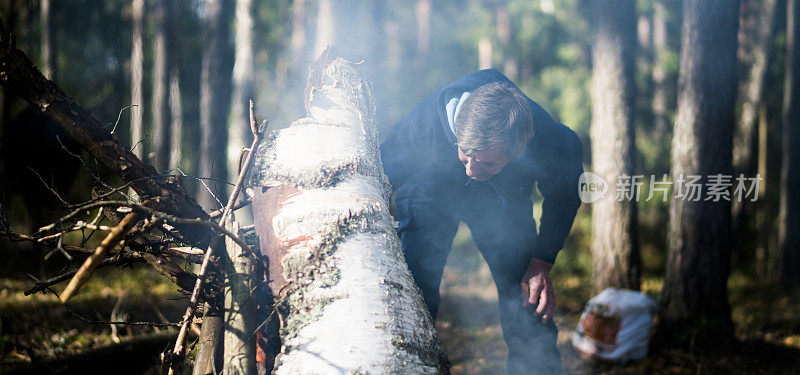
x=420, y=151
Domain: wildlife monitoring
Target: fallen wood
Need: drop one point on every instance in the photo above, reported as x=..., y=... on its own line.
x=349, y=303
x=88, y=266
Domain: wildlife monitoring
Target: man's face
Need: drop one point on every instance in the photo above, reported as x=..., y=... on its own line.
x=484, y=164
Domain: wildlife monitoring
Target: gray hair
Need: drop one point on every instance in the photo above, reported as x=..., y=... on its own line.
x=495, y=113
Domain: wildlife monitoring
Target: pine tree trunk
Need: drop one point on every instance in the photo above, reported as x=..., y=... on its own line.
x=137, y=75
x=215, y=87
x=788, y=262
x=506, y=37
x=615, y=250
x=48, y=54
x=159, y=104
x=176, y=123
x=756, y=44
x=761, y=29
x=326, y=27
x=298, y=41
x=660, y=104
x=349, y=302
x=695, y=309
x=422, y=11
x=175, y=105
x=238, y=129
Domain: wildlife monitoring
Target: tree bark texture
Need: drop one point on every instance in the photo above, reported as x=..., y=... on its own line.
x=137, y=77
x=615, y=248
x=349, y=302
x=243, y=70
x=695, y=305
x=788, y=261
x=215, y=87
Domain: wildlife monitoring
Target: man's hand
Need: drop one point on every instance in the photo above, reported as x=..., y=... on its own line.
x=537, y=289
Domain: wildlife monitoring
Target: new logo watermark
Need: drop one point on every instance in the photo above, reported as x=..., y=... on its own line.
x=591, y=187
x=693, y=188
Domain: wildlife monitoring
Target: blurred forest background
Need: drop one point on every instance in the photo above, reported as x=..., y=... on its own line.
x=172, y=78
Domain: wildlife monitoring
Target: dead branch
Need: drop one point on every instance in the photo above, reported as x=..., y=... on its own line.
x=85, y=272
x=143, y=209
x=19, y=75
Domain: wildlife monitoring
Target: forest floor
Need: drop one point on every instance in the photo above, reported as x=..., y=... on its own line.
x=38, y=329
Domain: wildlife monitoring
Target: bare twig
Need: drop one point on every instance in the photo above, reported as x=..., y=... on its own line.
x=106, y=322
x=178, y=351
x=119, y=116
x=52, y=189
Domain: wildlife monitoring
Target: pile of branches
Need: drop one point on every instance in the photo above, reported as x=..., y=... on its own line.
x=158, y=223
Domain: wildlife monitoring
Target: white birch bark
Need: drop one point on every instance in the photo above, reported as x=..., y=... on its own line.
x=350, y=305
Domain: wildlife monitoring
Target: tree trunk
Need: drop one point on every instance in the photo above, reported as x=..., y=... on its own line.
x=238, y=129
x=176, y=124
x=756, y=45
x=422, y=11
x=758, y=50
x=695, y=308
x=350, y=303
x=48, y=54
x=137, y=75
x=239, y=355
x=788, y=262
x=485, y=52
x=663, y=81
x=326, y=28
x=615, y=248
x=209, y=343
x=175, y=105
x=159, y=105
x=298, y=41
x=506, y=37
x=215, y=85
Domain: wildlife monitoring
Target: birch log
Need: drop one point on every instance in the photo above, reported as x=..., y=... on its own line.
x=349, y=303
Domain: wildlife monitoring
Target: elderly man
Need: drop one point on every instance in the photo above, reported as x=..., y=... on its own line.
x=471, y=152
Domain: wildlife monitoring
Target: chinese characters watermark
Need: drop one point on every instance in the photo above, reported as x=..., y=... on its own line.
x=692, y=188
